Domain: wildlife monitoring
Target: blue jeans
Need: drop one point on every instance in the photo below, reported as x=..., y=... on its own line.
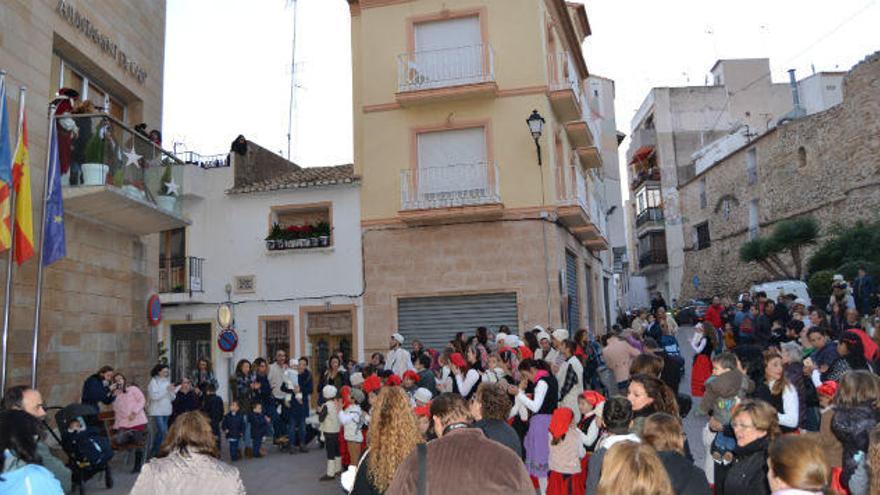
x=161, y=430
x=296, y=421
x=233, y=449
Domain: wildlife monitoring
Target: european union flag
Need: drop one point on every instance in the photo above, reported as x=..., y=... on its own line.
x=54, y=245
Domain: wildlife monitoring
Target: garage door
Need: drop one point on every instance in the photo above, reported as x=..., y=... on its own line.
x=436, y=320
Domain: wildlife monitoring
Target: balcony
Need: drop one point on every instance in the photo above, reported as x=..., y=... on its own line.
x=119, y=178
x=589, y=156
x=652, y=216
x=447, y=74
x=574, y=207
x=643, y=138
x=645, y=175
x=179, y=278
x=654, y=258
x=439, y=194
x=564, y=87
x=579, y=134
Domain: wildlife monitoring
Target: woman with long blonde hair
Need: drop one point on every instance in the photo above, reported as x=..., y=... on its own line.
x=393, y=435
x=634, y=469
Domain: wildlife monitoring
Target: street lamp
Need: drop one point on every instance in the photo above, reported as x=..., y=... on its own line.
x=536, y=127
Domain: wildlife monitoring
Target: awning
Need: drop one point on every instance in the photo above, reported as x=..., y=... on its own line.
x=641, y=154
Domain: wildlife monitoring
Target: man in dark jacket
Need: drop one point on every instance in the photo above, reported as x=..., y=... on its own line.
x=864, y=291
x=462, y=457
x=98, y=388
x=213, y=408
x=764, y=324
x=489, y=410
x=427, y=379
x=186, y=400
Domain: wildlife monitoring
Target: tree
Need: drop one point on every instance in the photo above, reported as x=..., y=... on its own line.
x=789, y=236
x=857, y=242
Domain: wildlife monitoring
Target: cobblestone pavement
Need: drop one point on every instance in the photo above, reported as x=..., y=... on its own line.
x=280, y=473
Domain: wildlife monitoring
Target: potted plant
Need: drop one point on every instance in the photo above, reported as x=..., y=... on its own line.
x=323, y=230
x=275, y=238
x=290, y=237
x=167, y=199
x=94, y=170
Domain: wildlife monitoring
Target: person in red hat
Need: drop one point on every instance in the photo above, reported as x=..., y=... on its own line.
x=64, y=101
x=410, y=381
x=566, y=452
x=393, y=381
x=831, y=445
x=466, y=373
x=589, y=404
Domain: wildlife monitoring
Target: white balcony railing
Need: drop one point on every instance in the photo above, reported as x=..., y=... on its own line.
x=576, y=189
x=465, y=184
x=563, y=74
x=446, y=67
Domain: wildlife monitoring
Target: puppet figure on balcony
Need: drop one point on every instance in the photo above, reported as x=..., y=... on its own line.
x=64, y=102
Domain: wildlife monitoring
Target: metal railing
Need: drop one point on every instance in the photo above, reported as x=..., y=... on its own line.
x=446, y=67
x=180, y=275
x=204, y=161
x=651, y=214
x=653, y=257
x=563, y=74
x=641, y=176
x=464, y=184
x=104, y=151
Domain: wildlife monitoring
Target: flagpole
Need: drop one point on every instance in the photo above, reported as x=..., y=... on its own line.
x=7, y=301
x=39, y=298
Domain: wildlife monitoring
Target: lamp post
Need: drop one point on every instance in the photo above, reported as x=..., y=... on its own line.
x=536, y=128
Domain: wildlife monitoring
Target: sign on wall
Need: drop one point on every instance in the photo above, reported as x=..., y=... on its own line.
x=154, y=310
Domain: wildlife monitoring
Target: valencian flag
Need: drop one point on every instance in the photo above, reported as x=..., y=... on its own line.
x=5, y=172
x=24, y=215
x=54, y=246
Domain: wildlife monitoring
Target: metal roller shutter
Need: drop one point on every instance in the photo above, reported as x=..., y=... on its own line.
x=571, y=288
x=436, y=320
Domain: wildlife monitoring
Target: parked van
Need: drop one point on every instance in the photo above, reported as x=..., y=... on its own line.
x=773, y=289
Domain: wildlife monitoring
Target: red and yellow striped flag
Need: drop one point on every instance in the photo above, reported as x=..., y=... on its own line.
x=24, y=214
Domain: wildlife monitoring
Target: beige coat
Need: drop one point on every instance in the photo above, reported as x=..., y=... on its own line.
x=186, y=475
x=618, y=356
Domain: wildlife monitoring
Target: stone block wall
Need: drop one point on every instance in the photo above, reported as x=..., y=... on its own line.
x=835, y=178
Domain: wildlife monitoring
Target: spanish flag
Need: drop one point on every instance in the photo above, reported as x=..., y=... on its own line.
x=24, y=215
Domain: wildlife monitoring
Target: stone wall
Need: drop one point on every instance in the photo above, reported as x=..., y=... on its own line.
x=838, y=182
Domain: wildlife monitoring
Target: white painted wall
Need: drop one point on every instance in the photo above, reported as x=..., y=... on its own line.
x=228, y=231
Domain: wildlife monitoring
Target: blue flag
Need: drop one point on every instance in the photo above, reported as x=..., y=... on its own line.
x=5, y=172
x=54, y=245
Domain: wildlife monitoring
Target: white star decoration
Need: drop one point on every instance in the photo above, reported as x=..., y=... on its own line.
x=172, y=188
x=132, y=158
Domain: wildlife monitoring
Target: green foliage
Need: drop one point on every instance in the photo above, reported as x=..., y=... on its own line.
x=795, y=232
x=277, y=233
x=850, y=269
x=95, y=149
x=756, y=250
x=162, y=352
x=321, y=229
x=819, y=283
x=166, y=178
x=846, y=244
x=119, y=177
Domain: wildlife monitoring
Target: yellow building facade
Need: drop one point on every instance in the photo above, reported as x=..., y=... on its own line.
x=461, y=225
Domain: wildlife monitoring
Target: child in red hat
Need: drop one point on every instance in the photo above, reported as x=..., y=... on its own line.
x=566, y=452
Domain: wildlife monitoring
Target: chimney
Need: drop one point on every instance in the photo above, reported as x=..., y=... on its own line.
x=798, y=111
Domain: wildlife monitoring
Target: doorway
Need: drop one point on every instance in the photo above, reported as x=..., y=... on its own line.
x=189, y=343
x=329, y=333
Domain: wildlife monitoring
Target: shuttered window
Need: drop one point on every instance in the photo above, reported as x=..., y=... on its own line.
x=436, y=320
x=571, y=288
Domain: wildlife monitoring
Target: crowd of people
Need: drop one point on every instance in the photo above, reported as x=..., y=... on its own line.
x=790, y=398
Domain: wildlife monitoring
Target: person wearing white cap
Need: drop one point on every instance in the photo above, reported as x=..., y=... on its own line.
x=422, y=396
x=546, y=352
x=329, y=417
x=398, y=360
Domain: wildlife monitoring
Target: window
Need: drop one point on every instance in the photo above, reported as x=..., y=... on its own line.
x=753, y=219
x=172, y=261
x=802, y=157
x=648, y=197
x=725, y=209
x=276, y=333
x=453, y=163
x=703, y=200
x=66, y=75
x=702, y=231
x=448, y=52
x=752, y=166
x=300, y=226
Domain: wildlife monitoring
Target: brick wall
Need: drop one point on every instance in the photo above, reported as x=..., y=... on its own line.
x=839, y=182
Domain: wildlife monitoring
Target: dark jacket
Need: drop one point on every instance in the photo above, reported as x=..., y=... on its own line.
x=852, y=426
x=306, y=386
x=259, y=426
x=363, y=485
x=686, y=478
x=465, y=458
x=501, y=432
x=748, y=473
x=762, y=330
x=826, y=355
x=720, y=395
x=184, y=403
x=264, y=393
x=233, y=425
x=339, y=381
x=428, y=381
x=94, y=392
x=213, y=407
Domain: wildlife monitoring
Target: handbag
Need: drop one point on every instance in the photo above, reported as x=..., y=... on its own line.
x=422, y=485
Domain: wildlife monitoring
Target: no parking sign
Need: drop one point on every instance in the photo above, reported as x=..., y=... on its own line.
x=227, y=341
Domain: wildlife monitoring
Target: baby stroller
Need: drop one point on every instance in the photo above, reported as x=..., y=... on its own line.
x=88, y=450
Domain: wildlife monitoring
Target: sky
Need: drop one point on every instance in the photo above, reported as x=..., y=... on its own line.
x=228, y=62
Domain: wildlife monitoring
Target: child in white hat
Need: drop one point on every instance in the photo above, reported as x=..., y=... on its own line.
x=329, y=417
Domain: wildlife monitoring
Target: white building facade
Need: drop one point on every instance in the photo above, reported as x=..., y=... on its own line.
x=302, y=295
